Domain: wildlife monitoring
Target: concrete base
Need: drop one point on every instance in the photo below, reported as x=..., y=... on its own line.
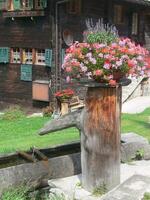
x=137, y=181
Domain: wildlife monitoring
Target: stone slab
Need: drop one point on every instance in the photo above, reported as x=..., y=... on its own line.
x=69, y=188
x=131, y=143
x=132, y=189
x=138, y=170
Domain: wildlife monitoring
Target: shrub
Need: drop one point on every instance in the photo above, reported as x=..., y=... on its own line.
x=146, y=196
x=13, y=113
x=47, y=111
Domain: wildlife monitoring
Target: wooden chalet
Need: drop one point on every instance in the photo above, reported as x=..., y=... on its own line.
x=35, y=33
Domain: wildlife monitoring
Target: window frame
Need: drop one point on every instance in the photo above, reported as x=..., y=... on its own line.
x=12, y=55
x=119, y=17
x=74, y=7
x=135, y=22
x=26, y=54
x=37, y=56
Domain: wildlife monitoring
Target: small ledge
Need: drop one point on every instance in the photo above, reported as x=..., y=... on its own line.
x=92, y=83
x=24, y=13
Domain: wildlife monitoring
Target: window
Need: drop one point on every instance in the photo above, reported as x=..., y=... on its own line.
x=40, y=4
x=74, y=7
x=3, y=5
x=134, y=23
x=40, y=57
x=27, y=4
x=15, y=55
x=27, y=56
x=118, y=14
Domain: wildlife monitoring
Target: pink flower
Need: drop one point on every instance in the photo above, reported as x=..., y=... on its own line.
x=131, y=63
x=68, y=69
x=112, y=82
x=68, y=79
x=98, y=72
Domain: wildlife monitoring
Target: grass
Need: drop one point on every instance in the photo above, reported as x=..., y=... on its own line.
x=21, y=134
x=23, y=192
x=18, y=193
x=137, y=123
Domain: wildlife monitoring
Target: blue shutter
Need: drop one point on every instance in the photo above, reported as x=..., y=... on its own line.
x=48, y=57
x=44, y=3
x=26, y=72
x=17, y=4
x=4, y=54
x=31, y=4
x=62, y=55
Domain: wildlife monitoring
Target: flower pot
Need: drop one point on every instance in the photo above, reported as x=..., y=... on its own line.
x=64, y=108
x=118, y=75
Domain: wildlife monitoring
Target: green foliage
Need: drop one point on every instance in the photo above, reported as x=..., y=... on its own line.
x=100, y=32
x=146, y=196
x=101, y=37
x=18, y=193
x=48, y=111
x=139, y=154
x=100, y=190
x=57, y=197
x=13, y=113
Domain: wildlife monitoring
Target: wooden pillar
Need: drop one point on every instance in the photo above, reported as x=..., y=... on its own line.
x=100, y=138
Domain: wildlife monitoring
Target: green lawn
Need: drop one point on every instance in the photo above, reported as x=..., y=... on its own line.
x=137, y=123
x=22, y=134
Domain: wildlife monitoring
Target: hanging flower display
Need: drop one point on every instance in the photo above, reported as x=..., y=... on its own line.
x=106, y=63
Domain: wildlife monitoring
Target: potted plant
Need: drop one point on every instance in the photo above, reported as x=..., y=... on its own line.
x=104, y=57
x=63, y=97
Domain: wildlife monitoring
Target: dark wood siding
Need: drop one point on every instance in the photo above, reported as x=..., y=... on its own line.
x=24, y=33
x=12, y=87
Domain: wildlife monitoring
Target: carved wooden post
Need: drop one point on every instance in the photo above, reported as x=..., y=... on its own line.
x=100, y=138
x=99, y=125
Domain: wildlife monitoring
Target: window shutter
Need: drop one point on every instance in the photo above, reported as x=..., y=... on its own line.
x=44, y=3
x=26, y=72
x=31, y=4
x=48, y=57
x=17, y=4
x=62, y=55
x=4, y=54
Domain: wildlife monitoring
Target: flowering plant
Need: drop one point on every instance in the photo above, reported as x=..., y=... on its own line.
x=106, y=63
x=64, y=94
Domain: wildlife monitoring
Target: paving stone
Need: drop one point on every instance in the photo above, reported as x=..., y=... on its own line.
x=132, y=189
x=131, y=143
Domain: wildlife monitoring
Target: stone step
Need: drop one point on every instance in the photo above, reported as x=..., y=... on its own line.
x=132, y=189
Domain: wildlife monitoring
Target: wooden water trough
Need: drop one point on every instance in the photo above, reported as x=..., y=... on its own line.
x=35, y=167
